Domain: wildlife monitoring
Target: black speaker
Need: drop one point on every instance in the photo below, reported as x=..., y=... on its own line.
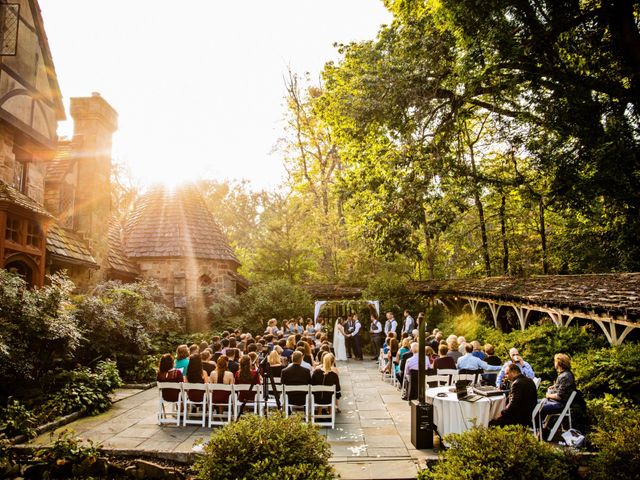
x=421, y=425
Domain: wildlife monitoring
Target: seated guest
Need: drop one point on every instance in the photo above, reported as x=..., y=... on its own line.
x=404, y=348
x=182, y=358
x=469, y=363
x=232, y=355
x=444, y=361
x=275, y=363
x=477, y=350
x=324, y=349
x=435, y=341
x=523, y=398
x=221, y=375
x=492, y=359
x=202, y=346
x=403, y=363
x=196, y=374
x=412, y=362
x=207, y=365
x=167, y=373
x=296, y=374
x=225, y=344
x=453, y=351
x=326, y=375
x=461, y=343
x=525, y=368
x=304, y=362
x=291, y=346
x=247, y=375
x=308, y=355
x=559, y=392
x=194, y=349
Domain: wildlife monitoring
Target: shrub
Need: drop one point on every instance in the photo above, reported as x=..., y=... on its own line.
x=126, y=315
x=68, y=457
x=16, y=420
x=145, y=369
x=614, y=370
x=394, y=296
x=37, y=327
x=266, y=448
x=274, y=299
x=499, y=453
x=613, y=436
x=84, y=391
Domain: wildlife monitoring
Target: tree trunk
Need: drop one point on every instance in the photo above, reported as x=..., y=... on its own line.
x=429, y=248
x=480, y=207
x=543, y=237
x=503, y=229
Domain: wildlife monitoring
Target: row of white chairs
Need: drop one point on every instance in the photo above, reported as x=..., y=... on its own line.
x=185, y=411
x=448, y=377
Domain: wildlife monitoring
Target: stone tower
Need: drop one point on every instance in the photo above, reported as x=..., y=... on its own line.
x=95, y=121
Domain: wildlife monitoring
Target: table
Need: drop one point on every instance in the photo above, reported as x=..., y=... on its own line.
x=453, y=416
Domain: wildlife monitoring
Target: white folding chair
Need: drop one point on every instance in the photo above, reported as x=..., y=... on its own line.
x=537, y=381
x=449, y=372
x=439, y=380
x=288, y=389
x=323, y=419
x=249, y=405
x=220, y=413
x=270, y=402
x=166, y=389
x=536, y=422
x=470, y=377
x=194, y=411
x=566, y=412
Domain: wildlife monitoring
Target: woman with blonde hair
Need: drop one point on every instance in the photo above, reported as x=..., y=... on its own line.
x=275, y=363
x=326, y=375
x=272, y=327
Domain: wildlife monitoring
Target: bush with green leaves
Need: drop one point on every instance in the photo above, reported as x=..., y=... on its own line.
x=145, y=370
x=118, y=321
x=509, y=453
x=614, y=370
x=613, y=436
x=394, y=296
x=16, y=419
x=274, y=299
x=37, y=327
x=82, y=390
x=266, y=448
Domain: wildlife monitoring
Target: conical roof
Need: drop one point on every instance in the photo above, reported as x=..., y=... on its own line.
x=174, y=223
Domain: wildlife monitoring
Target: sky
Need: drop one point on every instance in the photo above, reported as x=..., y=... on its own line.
x=198, y=85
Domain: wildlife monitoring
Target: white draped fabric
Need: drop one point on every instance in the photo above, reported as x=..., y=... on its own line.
x=316, y=309
x=339, y=344
x=453, y=416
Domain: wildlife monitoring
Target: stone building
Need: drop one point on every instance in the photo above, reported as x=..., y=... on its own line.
x=55, y=195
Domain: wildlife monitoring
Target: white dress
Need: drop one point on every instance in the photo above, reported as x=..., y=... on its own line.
x=338, y=342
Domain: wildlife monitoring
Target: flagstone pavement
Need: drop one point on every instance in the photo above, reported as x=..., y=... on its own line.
x=372, y=438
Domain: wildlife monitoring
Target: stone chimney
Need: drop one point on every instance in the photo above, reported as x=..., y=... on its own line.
x=94, y=122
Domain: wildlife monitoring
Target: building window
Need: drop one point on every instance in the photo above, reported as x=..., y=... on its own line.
x=34, y=235
x=67, y=198
x=12, y=233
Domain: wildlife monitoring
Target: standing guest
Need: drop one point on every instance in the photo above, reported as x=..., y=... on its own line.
x=477, y=350
x=182, y=358
x=523, y=398
x=444, y=361
x=296, y=374
x=409, y=323
x=558, y=393
x=196, y=374
x=525, y=368
x=221, y=375
x=319, y=325
x=272, y=327
x=326, y=375
x=247, y=375
x=207, y=365
x=390, y=326
x=377, y=337
x=357, y=340
x=167, y=373
x=310, y=329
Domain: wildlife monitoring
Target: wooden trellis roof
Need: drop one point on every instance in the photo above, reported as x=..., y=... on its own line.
x=615, y=294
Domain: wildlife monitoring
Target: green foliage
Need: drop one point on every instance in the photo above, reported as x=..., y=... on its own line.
x=614, y=370
x=16, y=420
x=499, y=453
x=37, y=327
x=68, y=457
x=616, y=426
x=83, y=390
x=275, y=299
x=394, y=296
x=273, y=447
x=126, y=315
x=145, y=369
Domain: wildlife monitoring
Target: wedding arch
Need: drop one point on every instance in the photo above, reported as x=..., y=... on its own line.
x=319, y=303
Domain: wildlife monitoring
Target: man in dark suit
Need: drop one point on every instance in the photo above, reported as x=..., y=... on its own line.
x=296, y=374
x=522, y=399
x=349, y=327
x=356, y=339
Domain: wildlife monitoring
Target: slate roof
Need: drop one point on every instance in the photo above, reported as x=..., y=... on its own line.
x=117, y=259
x=68, y=246
x=10, y=195
x=614, y=293
x=58, y=167
x=167, y=223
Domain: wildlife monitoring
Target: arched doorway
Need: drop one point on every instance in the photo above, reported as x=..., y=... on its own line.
x=22, y=266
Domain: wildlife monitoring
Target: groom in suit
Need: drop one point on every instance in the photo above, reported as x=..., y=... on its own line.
x=349, y=327
x=357, y=340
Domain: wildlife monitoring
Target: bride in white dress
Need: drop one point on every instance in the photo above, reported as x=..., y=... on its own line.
x=339, y=340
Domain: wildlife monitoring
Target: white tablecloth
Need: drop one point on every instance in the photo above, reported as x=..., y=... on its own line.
x=453, y=416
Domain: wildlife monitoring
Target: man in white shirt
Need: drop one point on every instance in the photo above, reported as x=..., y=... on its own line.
x=390, y=325
x=376, y=336
x=409, y=323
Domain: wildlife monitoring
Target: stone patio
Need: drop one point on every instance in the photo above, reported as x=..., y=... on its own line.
x=372, y=438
